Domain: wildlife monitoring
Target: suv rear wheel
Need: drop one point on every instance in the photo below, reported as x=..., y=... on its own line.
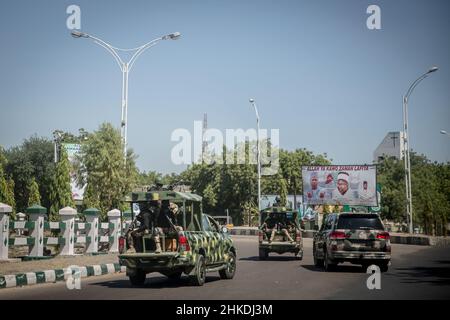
x=199, y=276
x=317, y=262
x=328, y=263
x=384, y=266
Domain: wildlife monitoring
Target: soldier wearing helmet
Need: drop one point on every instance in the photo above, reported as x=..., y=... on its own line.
x=144, y=222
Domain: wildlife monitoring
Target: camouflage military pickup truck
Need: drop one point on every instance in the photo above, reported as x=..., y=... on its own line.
x=358, y=238
x=191, y=242
x=279, y=232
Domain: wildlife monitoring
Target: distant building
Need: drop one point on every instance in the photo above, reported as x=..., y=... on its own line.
x=391, y=146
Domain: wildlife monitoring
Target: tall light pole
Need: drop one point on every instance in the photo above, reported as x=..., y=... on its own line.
x=258, y=155
x=406, y=148
x=125, y=67
x=56, y=139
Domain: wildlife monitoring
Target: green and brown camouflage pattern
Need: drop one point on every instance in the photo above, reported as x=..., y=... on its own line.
x=357, y=246
x=214, y=246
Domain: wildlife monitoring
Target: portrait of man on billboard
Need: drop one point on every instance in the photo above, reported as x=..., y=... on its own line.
x=366, y=193
x=314, y=193
x=342, y=194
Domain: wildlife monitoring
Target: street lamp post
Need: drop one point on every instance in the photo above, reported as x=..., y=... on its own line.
x=56, y=140
x=258, y=155
x=125, y=67
x=406, y=156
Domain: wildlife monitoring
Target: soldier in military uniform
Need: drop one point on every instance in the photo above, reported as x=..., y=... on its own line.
x=281, y=226
x=275, y=223
x=156, y=205
x=147, y=219
x=174, y=213
x=277, y=202
x=139, y=227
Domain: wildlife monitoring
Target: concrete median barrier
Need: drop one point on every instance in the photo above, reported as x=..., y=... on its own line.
x=56, y=275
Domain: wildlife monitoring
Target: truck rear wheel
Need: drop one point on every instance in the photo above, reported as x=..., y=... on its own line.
x=263, y=254
x=138, y=278
x=199, y=276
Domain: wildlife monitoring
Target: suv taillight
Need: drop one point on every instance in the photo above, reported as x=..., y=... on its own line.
x=383, y=235
x=121, y=244
x=337, y=235
x=183, y=243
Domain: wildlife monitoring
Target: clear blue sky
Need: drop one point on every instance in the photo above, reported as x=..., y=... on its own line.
x=316, y=71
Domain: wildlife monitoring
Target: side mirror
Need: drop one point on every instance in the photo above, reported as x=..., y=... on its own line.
x=224, y=230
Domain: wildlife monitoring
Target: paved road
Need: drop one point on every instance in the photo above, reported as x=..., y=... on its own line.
x=417, y=272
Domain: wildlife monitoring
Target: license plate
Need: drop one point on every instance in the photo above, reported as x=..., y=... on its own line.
x=362, y=236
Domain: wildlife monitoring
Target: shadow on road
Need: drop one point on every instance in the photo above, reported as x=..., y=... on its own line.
x=439, y=276
x=270, y=258
x=154, y=283
x=338, y=269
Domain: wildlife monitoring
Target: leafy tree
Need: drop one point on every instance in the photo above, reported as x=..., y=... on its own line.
x=33, y=194
x=149, y=178
x=102, y=167
x=224, y=186
x=6, y=184
x=32, y=159
x=10, y=200
x=60, y=191
x=3, y=184
x=91, y=198
x=430, y=193
x=391, y=176
x=3, y=190
x=3, y=160
x=171, y=179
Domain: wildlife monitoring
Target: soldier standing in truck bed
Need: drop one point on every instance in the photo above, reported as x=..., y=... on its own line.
x=139, y=227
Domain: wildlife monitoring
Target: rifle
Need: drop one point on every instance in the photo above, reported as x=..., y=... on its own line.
x=170, y=222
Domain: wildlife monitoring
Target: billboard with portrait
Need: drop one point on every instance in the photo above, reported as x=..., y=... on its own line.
x=353, y=185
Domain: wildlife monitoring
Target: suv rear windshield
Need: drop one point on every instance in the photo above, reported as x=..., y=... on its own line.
x=355, y=221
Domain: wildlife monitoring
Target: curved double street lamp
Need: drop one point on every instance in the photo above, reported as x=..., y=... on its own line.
x=406, y=157
x=125, y=67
